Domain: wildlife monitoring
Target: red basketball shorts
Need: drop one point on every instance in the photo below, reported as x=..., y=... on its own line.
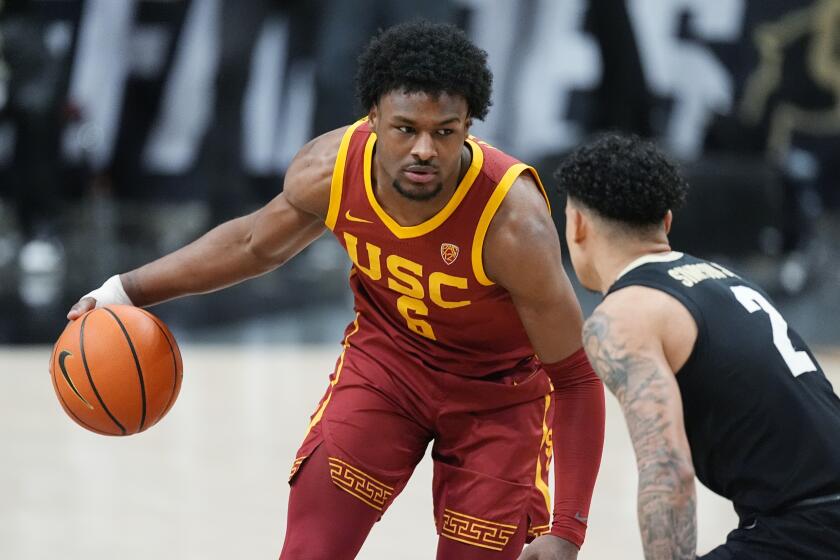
x=491, y=443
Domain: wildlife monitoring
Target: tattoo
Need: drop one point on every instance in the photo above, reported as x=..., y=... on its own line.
x=602, y=357
x=666, y=505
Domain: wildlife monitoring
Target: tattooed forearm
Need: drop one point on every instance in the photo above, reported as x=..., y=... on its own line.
x=650, y=402
x=667, y=523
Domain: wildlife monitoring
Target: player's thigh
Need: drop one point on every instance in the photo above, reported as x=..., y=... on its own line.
x=490, y=479
x=371, y=441
x=362, y=445
x=372, y=422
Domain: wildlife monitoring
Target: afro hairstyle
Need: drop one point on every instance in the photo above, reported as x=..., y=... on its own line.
x=420, y=56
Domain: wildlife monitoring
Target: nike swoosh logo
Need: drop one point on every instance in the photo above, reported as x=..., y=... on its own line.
x=61, y=357
x=355, y=219
x=581, y=518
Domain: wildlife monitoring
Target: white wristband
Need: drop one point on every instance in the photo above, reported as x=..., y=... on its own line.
x=110, y=293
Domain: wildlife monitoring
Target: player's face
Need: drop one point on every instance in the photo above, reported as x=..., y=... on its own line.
x=576, y=239
x=420, y=140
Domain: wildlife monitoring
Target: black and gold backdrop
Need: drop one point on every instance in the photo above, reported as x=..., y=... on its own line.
x=128, y=127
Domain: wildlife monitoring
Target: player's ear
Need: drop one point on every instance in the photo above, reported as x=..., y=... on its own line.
x=580, y=225
x=576, y=225
x=373, y=116
x=669, y=219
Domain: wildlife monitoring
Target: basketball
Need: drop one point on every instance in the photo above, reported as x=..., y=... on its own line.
x=116, y=370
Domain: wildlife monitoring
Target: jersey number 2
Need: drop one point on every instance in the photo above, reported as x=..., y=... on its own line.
x=797, y=361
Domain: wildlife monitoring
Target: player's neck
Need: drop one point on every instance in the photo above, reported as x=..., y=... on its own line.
x=616, y=257
x=406, y=211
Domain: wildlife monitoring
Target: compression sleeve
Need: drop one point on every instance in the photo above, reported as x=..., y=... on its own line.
x=578, y=440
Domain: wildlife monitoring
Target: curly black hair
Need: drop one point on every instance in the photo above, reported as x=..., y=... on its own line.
x=623, y=178
x=420, y=56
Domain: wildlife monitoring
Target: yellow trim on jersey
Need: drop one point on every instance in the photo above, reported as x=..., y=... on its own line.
x=538, y=481
x=496, y=199
x=542, y=189
x=334, y=382
x=406, y=232
x=337, y=183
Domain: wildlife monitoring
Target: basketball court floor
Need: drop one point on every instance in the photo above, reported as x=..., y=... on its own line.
x=209, y=481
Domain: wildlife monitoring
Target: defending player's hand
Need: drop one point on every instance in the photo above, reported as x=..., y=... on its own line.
x=549, y=547
x=110, y=293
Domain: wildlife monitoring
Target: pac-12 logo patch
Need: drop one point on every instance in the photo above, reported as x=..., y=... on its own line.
x=449, y=252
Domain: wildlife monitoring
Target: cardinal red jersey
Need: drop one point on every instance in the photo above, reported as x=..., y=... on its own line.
x=421, y=291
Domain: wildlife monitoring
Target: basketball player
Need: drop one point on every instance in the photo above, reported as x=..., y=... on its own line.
x=711, y=379
x=466, y=334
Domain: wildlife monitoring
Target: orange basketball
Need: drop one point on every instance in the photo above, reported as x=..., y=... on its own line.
x=116, y=370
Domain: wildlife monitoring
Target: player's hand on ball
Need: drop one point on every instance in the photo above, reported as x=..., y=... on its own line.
x=81, y=307
x=111, y=292
x=549, y=547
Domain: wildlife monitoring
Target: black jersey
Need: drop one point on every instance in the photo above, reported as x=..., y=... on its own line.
x=761, y=418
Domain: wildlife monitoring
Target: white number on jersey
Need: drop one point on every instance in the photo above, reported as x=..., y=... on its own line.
x=797, y=361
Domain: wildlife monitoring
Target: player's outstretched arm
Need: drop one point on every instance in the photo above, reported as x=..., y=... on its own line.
x=241, y=248
x=626, y=349
x=522, y=254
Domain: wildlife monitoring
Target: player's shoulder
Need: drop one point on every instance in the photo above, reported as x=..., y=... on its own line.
x=521, y=233
x=616, y=310
x=495, y=162
x=309, y=176
x=618, y=324
x=523, y=194
x=639, y=313
x=318, y=156
x=639, y=302
x=524, y=209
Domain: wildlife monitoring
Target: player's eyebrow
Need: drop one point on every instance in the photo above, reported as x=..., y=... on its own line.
x=406, y=120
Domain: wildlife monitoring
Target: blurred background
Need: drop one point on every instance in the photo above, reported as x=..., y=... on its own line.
x=129, y=127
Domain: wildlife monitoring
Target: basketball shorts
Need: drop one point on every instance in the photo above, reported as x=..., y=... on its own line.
x=491, y=443
x=811, y=533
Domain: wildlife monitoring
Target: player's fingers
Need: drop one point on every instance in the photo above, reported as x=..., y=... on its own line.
x=81, y=307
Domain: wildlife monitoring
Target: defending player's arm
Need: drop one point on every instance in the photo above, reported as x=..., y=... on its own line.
x=626, y=349
x=241, y=248
x=522, y=254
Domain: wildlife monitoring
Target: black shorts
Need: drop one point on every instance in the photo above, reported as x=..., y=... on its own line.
x=811, y=533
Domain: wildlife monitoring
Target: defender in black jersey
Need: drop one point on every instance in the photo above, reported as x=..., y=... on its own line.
x=711, y=379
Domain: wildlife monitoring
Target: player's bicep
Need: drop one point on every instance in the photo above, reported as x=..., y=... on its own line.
x=629, y=358
x=522, y=254
x=280, y=230
x=295, y=217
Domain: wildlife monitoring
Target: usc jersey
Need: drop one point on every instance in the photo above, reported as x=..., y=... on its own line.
x=421, y=291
